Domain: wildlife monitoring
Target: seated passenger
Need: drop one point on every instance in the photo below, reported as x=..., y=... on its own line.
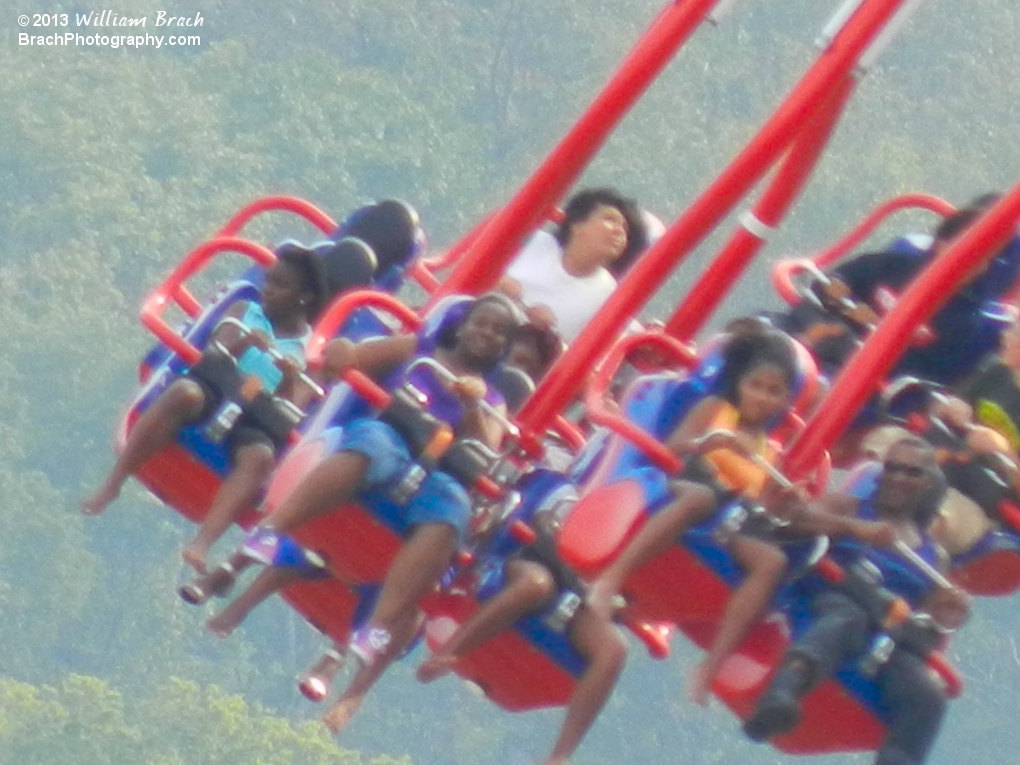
x=720, y=439
x=535, y=580
x=990, y=397
x=371, y=454
x=562, y=280
x=983, y=435
x=292, y=295
x=960, y=334
x=534, y=350
x=840, y=628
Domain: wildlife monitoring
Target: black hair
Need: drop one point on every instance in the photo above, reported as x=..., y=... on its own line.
x=953, y=225
x=311, y=272
x=583, y=204
x=446, y=337
x=547, y=343
x=751, y=347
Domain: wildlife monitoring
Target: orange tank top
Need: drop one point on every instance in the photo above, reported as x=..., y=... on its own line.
x=734, y=471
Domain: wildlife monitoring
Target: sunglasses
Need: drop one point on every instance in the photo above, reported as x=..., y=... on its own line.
x=910, y=471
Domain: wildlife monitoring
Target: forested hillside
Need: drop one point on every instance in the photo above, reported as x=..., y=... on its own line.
x=113, y=163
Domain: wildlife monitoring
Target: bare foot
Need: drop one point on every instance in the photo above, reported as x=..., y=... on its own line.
x=194, y=556
x=339, y=715
x=96, y=502
x=434, y=667
x=221, y=625
x=698, y=685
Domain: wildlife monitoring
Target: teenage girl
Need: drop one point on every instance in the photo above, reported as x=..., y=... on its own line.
x=293, y=293
x=720, y=440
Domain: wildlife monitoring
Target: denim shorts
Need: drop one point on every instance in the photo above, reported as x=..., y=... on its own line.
x=440, y=499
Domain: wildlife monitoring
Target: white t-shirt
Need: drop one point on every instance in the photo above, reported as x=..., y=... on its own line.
x=538, y=268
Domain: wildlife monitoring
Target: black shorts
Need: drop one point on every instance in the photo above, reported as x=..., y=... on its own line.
x=757, y=524
x=244, y=432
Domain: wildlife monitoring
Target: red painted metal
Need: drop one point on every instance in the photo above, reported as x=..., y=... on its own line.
x=172, y=288
x=919, y=302
x=878, y=216
x=784, y=272
x=602, y=411
x=299, y=207
x=486, y=257
x=339, y=310
x=715, y=282
x=703, y=215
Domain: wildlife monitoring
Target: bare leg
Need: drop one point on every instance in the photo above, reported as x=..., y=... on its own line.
x=693, y=503
x=528, y=586
x=239, y=490
x=269, y=580
x=154, y=430
x=764, y=566
x=330, y=483
x=414, y=571
x=339, y=715
x=603, y=646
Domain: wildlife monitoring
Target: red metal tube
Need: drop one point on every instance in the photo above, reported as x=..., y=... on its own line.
x=172, y=288
x=922, y=299
x=556, y=390
x=338, y=311
x=715, y=282
x=300, y=207
x=486, y=257
x=922, y=201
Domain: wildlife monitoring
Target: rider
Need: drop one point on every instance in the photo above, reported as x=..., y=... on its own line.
x=534, y=580
x=721, y=438
x=291, y=296
x=372, y=454
x=562, y=279
x=895, y=513
x=959, y=333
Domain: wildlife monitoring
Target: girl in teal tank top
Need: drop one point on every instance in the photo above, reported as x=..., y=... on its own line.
x=291, y=296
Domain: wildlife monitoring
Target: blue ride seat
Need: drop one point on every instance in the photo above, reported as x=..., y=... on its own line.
x=171, y=366
x=376, y=520
x=618, y=476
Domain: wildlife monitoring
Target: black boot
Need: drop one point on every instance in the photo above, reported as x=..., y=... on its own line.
x=778, y=710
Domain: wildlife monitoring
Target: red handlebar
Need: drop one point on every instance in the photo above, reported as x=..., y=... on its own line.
x=602, y=411
x=172, y=288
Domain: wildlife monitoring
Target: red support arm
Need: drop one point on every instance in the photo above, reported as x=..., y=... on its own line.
x=715, y=282
x=877, y=216
x=922, y=299
x=172, y=288
x=299, y=207
x=602, y=411
x=487, y=256
x=703, y=215
x=336, y=314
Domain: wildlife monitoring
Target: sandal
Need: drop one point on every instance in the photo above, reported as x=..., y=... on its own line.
x=215, y=584
x=314, y=685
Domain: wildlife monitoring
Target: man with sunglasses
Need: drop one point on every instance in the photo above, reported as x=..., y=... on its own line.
x=896, y=512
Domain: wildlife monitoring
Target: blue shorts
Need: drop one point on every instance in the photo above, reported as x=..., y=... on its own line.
x=440, y=499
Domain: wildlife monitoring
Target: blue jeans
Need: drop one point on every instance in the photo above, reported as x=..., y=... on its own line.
x=439, y=499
